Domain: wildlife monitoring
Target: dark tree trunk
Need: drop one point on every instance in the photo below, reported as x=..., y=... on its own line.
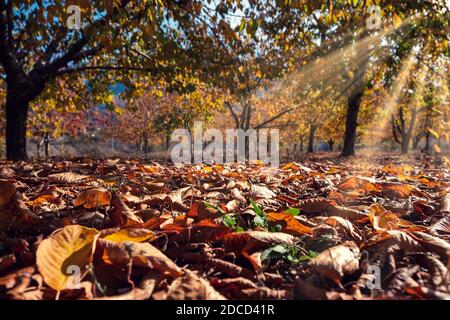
x=416, y=141
x=351, y=124
x=427, y=142
x=405, y=143
x=331, y=144
x=145, y=143
x=46, y=143
x=16, y=126
x=312, y=130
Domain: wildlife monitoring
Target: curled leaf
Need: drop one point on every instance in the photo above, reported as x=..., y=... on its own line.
x=337, y=261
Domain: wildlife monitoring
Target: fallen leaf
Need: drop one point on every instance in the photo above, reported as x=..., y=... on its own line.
x=131, y=234
x=93, y=198
x=66, y=177
x=337, y=261
x=346, y=226
x=65, y=255
x=122, y=215
x=383, y=220
x=263, y=192
x=141, y=254
x=192, y=287
x=289, y=224
x=203, y=210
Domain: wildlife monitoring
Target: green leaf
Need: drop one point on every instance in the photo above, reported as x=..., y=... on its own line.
x=257, y=209
x=293, y=211
x=311, y=254
x=242, y=27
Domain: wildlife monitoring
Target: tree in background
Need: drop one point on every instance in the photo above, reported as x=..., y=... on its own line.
x=116, y=40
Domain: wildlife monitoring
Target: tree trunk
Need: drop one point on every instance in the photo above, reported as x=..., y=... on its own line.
x=145, y=143
x=405, y=143
x=312, y=130
x=416, y=141
x=351, y=123
x=16, y=126
x=427, y=142
x=46, y=143
x=331, y=144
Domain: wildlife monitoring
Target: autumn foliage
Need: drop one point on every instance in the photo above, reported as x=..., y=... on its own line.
x=316, y=230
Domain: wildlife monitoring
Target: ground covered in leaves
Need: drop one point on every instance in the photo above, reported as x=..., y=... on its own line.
x=315, y=229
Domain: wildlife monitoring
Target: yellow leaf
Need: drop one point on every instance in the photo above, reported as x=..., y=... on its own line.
x=207, y=169
x=437, y=148
x=383, y=220
x=131, y=234
x=65, y=255
x=433, y=133
x=397, y=21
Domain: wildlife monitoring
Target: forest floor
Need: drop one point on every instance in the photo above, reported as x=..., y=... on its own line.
x=369, y=227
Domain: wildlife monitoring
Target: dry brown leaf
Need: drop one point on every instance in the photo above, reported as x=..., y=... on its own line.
x=141, y=254
x=261, y=192
x=445, y=204
x=347, y=213
x=314, y=205
x=122, y=215
x=66, y=177
x=346, y=226
x=399, y=190
x=192, y=287
x=337, y=261
x=203, y=210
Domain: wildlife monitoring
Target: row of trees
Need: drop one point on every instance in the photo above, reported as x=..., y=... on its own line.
x=312, y=66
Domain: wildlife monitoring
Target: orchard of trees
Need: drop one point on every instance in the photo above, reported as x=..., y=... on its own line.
x=336, y=71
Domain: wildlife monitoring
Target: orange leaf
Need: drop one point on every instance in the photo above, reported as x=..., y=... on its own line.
x=93, y=198
x=383, y=220
x=289, y=224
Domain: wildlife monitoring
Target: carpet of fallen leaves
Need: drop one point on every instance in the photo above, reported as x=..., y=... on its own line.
x=316, y=229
